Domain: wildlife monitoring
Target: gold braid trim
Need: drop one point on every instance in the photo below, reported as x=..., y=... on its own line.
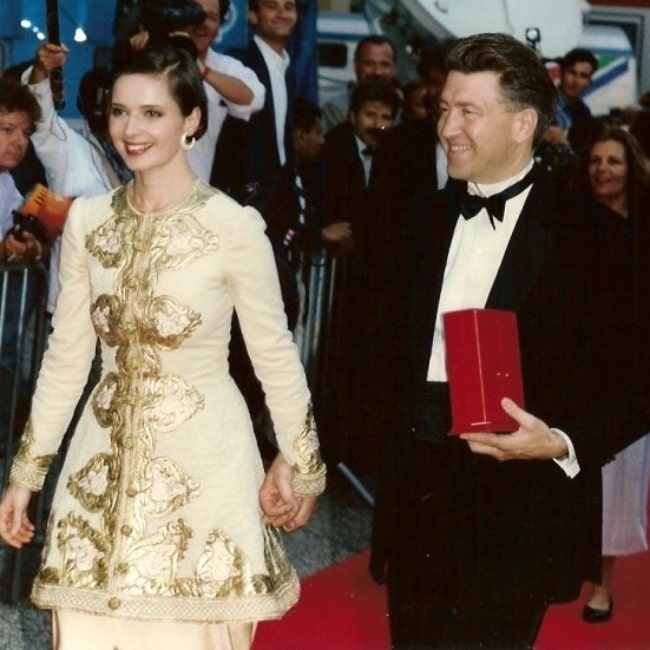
x=310, y=484
x=28, y=470
x=309, y=470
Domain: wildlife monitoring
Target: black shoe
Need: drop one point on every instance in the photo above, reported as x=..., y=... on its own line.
x=593, y=615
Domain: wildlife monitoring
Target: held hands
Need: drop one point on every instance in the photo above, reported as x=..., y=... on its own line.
x=15, y=527
x=281, y=507
x=532, y=440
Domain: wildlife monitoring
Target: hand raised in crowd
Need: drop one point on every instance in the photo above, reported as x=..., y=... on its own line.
x=49, y=56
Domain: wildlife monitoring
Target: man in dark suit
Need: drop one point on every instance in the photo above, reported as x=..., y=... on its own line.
x=254, y=159
x=473, y=550
x=346, y=163
x=348, y=159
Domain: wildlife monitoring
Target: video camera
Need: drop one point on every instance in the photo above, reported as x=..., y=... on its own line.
x=162, y=17
x=27, y=223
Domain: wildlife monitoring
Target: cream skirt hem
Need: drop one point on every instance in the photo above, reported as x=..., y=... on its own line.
x=74, y=630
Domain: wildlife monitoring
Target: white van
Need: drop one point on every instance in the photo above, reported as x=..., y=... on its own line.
x=337, y=37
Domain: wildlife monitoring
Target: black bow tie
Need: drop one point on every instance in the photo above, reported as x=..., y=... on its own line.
x=471, y=204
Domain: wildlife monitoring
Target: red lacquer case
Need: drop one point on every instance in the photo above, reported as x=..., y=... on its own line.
x=483, y=367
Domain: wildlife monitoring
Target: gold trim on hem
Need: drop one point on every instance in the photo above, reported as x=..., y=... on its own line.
x=215, y=610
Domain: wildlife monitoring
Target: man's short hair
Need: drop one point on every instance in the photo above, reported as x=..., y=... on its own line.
x=579, y=55
x=524, y=80
x=305, y=114
x=432, y=57
x=375, y=91
x=374, y=39
x=16, y=98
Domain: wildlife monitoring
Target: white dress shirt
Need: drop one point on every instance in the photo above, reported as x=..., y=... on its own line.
x=201, y=156
x=365, y=155
x=475, y=255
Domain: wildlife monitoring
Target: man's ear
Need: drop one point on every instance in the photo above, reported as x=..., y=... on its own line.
x=525, y=124
x=252, y=17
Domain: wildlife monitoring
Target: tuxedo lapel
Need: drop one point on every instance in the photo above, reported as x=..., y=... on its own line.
x=431, y=235
x=524, y=257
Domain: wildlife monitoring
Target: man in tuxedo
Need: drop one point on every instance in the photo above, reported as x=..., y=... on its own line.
x=348, y=159
x=476, y=534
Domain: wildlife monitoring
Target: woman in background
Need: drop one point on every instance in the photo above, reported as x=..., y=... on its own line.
x=617, y=178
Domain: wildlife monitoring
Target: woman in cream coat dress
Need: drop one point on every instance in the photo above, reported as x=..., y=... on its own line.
x=160, y=532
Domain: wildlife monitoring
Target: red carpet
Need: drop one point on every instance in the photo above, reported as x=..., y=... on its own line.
x=342, y=609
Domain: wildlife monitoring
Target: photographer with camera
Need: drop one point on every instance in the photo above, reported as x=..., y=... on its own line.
x=19, y=111
x=231, y=87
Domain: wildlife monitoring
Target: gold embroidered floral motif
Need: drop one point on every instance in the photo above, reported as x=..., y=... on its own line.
x=83, y=553
x=168, y=323
x=96, y=484
x=153, y=561
x=166, y=488
x=168, y=402
x=106, y=314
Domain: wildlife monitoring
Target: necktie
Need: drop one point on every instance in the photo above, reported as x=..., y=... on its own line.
x=471, y=204
x=366, y=161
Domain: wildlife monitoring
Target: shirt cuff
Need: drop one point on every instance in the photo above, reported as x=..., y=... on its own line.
x=569, y=462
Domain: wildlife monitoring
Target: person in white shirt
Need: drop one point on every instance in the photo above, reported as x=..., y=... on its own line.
x=231, y=87
x=75, y=163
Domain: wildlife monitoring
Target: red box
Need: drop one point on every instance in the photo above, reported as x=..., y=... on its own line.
x=483, y=367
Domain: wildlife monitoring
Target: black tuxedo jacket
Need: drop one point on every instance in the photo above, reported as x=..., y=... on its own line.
x=344, y=186
x=521, y=528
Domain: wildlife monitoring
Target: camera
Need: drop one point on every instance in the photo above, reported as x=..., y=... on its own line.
x=162, y=17
x=27, y=223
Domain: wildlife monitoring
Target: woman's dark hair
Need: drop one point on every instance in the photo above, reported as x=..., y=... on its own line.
x=524, y=80
x=181, y=72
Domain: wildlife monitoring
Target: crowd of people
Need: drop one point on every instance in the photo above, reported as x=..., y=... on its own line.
x=205, y=190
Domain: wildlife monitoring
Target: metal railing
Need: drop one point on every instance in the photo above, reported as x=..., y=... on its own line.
x=23, y=332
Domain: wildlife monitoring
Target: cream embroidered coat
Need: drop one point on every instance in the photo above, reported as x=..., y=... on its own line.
x=156, y=511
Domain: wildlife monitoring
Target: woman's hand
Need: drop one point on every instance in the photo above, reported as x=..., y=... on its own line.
x=15, y=527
